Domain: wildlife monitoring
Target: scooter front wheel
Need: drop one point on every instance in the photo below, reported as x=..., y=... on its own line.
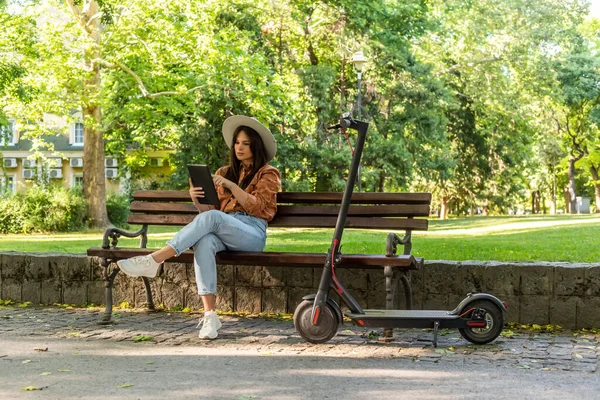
x=328, y=322
x=494, y=323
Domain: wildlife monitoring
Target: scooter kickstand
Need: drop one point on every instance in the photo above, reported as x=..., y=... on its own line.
x=436, y=326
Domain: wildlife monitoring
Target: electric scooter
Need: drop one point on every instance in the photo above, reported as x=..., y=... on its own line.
x=479, y=317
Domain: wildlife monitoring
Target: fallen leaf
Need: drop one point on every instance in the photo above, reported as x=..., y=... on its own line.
x=577, y=355
x=150, y=362
x=46, y=373
x=64, y=370
x=29, y=388
x=452, y=348
x=124, y=386
x=41, y=349
x=524, y=366
x=142, y=338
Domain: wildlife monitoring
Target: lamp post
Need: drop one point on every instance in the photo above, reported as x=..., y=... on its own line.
x=359, y=61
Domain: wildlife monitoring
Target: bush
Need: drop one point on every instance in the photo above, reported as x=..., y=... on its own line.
x=43, y=209
x=117, y=207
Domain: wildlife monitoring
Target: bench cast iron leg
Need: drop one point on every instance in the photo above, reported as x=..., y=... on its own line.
x=390, y=296
x=109, y=277
x=149, y=302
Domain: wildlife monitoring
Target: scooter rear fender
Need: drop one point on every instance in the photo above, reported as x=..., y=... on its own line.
x=471, y=297
x=332, y=303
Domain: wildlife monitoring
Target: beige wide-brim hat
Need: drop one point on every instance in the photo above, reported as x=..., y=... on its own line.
x=235, y=121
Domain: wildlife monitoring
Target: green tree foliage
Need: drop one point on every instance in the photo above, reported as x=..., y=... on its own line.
x=460, y=95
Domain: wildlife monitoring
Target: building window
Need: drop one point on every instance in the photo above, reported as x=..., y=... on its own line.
x=77, y=134
x=8, y=134
x=77, y=181
x=7, y=184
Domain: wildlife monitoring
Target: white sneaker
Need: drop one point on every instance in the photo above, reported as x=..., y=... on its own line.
x=210, y=324
x=139, y=266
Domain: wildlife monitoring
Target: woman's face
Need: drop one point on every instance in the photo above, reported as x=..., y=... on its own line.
x=242, y=148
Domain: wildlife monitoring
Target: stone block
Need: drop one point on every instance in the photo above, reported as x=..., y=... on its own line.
x=51, y=292
x=316, y=273
x=191, y=298
x=96, y=293
x=14, y=267
x=295, y=296
x=417, y=280
x=248, y=276
x=514, y=308
x=78, y=269
x=502, y=279
x=75, y=292
x=434, y=301
x=592, y=280
x=472, y=277
x=569, y=280
x=225, y=298
x=31, y=292
x=172, y=295
x=274, y=300
x=248, y=299
x=59, y=267
x=352, y=279
x=563, y=311
x=299, y=277
x=375, y=300
x=442, y=277
x=537, y=279
x=123, y=290
x=534, y=309
x=225, y=274
x=156, y=289
x=273, y=276
x=175, y=272
x=375, y=280
x=587, y=313
x=11, y=290
x=37, y=268
x=96, y=268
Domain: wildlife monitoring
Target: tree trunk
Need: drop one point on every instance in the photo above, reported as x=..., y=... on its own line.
x=94, y=183
x=553, y=201
x=594, y=172
x=572, y=209
x=444, y=208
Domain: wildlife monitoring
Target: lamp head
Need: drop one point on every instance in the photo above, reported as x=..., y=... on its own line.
x=359, y=60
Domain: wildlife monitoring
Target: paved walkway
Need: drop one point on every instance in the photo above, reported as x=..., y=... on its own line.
x=33, y=329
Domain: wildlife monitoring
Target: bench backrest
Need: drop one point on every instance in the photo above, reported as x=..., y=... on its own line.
x=297, y=209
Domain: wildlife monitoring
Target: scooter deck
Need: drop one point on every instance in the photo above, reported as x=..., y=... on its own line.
x=407, y=319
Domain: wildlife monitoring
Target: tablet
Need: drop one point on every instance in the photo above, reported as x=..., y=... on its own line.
x=201, y=176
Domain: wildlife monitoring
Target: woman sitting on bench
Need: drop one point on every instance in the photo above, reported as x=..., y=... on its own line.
x=247, y=190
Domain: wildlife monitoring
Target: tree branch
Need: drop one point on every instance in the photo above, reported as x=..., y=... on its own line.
x=145, y=93
x=78, y=16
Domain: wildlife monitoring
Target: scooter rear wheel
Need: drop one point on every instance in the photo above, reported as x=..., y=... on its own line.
x=328, y=323
x=494, y=319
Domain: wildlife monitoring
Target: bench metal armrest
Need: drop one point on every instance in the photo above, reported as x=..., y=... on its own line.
x=112, y=235
x=394, y=240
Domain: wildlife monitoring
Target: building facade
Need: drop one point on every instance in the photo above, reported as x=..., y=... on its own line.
x=64, y=165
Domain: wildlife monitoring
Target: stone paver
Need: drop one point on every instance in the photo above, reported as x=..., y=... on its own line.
x=564, y=350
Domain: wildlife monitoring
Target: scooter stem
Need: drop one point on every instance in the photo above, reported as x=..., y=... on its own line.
x=333, y=254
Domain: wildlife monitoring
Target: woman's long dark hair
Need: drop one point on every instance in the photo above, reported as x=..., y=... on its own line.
x=259, y=153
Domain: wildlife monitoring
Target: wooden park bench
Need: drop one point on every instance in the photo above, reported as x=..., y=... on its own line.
x=381, y=211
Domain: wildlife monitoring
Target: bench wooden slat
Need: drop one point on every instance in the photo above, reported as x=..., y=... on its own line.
x=273, y=258
x=295, y=221
x=418, y=210
x=301, y=197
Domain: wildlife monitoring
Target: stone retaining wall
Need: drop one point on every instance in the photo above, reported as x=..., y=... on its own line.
x=558, y=293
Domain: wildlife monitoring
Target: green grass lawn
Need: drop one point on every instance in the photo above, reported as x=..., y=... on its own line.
x=571, y=238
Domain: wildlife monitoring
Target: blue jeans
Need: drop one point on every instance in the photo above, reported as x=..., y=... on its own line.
x=214, y=231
